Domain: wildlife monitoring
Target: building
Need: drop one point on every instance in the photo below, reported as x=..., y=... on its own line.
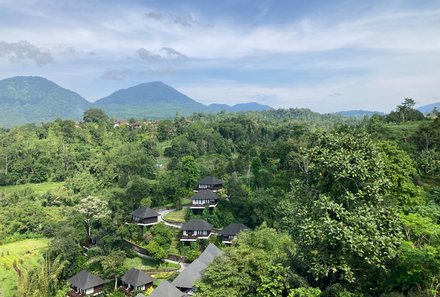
x=210, y=183
x=230, y=232
x=186, y=279
x=165, y=289
x=85, y=284
x=196, y=229
x=203, y=199
x=145, y=216
x=136, y=280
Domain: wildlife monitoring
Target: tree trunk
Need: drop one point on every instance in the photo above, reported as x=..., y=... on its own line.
x=6, y=164
x=89, y=229
x=116, y=282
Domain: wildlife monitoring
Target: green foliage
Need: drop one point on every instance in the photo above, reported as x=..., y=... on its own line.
x=338, y=214
x=92, y=209
x=191, y=171
x=405, y=112
x=305, y=292
x=253, y=266
x=343, y=196
x=29, y=99
x=95, y=115
x=42, y=281
x=156, y=251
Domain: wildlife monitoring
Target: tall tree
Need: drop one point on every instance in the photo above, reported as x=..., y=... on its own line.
x=95, y=115
x=338, y=214
x=92, y=209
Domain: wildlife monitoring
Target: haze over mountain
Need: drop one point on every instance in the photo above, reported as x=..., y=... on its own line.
x=241, y=107
x=32, y=99
x=152, y=100
x=358, y=113
x=429, y=107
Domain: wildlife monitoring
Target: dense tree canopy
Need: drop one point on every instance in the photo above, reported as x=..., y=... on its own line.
x=339, y=207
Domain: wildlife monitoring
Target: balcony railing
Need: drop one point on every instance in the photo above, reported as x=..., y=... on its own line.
x=75, y=294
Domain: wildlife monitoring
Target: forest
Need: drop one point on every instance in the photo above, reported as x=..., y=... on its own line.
x=336, y=207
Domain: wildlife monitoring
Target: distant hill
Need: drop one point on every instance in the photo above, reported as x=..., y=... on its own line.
x=33, y=99
x=152, y=100
x=241, y=107
x=358, y=113
x=429, y=108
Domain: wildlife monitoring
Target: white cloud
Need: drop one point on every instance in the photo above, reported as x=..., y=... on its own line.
x=401, y=51
x=24, y=51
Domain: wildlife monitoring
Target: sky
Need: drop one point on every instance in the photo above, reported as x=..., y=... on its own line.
x=324, y=55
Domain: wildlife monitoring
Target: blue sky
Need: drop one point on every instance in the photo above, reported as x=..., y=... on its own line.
x=324, y=55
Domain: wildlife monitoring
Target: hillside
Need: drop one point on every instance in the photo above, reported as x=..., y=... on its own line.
x=358, y=113
x=429, y=107
x=241, y=107
x=33, y=99
x=152, y=100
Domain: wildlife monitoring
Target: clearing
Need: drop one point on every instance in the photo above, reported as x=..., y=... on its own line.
x=21, y=254
x=38, y=188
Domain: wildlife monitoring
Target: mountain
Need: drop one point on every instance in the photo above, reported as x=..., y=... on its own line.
x=241, y=107
x=429, y=108
x=33, y=99
x=358, y=113
x=152, y=100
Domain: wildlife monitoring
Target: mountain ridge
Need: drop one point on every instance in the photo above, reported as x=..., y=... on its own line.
x=152, y=99
x=240, y=107
x=358, y=113
x=27, y=99
x=428, y=108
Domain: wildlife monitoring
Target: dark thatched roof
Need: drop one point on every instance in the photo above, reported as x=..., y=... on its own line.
x=210, y=180
x=205, y=194
x=137, y=278
x=145, y=212
x=209, y=254
x=194, y=271
x=233, y=229
x=197, y=224
x=85, y=280
x=165, y=289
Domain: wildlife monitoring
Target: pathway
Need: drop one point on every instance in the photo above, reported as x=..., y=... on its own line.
x=163, y=212
x=181, y=264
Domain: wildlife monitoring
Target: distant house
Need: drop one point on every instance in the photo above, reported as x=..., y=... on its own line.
x=196, y=229
x=145, y=216
x=119, y=123
x=210, y=183
x=204, y=198
x=165, y=289
x=85, y=284
x=136, y=280
x=230, y=232
x=186, y=279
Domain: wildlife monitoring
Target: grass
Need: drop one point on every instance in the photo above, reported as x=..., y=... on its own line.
x=147, y=264
x=38, y=188
x=177, y=216
x=161, y=146
x=24, y=254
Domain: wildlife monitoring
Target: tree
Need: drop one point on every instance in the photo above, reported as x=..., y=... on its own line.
x=338, y=214
x=191, y=171
x=405, y=112
x=95, y=115
x=92, y=209
x=305, y=292
x=42, y=281
x=112, y=265
x=156, y=251
x=255, y=265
